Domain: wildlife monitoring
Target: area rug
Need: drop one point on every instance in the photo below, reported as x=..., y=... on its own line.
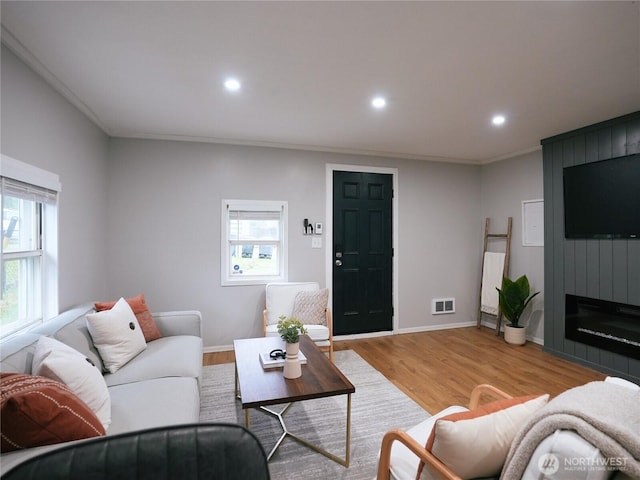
x=376, y=406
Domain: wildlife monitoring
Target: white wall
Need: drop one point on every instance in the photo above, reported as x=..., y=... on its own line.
x=439, y=236
x=505, y=185
x=164, y=224
x=43, y=129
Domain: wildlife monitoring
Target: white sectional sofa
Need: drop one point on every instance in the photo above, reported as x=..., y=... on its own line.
x=158, y=387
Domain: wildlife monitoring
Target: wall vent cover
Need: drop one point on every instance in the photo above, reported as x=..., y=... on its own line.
x=440, y=306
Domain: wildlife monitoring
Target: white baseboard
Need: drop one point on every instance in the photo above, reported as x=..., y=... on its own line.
x=426, y=328
x=539, y=341
x=492, y=325
x=219, y=348
x=431, y=328
x=362, y=335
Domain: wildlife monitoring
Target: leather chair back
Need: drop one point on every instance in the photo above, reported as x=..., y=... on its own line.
x=212, y=451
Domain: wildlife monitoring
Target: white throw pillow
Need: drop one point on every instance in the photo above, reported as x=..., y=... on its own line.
x=58, y=361
x=475, y=443
x=311, y=307
x=116, y=334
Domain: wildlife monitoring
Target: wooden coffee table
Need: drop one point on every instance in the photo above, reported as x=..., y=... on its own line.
x=257, y=387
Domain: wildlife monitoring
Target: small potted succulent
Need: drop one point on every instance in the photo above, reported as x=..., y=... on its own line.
x=513, y=298
x=290, y=330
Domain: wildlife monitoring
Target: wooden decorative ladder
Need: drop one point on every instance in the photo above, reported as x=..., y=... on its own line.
x=505, y=272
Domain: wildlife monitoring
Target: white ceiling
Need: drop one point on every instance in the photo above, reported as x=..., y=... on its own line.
x=309, y=70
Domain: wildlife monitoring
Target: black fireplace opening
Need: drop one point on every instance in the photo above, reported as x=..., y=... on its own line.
x=607, y=325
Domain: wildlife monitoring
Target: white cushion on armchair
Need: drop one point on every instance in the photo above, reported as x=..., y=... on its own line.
x=317, y=333
x=280, y=298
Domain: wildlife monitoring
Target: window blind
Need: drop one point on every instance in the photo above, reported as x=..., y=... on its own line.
x=253, y=215
x=27, y=191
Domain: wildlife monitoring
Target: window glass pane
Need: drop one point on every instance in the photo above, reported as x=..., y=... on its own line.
x=20, y=225
x=20, y=299
x=254, y=260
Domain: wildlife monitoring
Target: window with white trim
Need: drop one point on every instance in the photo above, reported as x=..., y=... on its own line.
x=28, y=256
x=254, y=242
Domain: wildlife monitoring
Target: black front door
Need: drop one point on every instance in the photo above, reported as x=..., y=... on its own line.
x=362, y=252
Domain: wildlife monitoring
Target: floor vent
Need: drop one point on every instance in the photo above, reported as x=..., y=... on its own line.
x=440, y=306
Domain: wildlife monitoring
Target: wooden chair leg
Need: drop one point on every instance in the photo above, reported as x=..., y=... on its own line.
x=330, y=326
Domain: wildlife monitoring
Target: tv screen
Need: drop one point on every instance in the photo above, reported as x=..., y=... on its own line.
x=602, y=199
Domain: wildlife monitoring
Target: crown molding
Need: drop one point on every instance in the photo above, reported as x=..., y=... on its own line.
x=13, y=44
x=22, y=52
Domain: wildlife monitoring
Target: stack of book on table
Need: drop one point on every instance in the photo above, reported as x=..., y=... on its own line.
x=268, y=362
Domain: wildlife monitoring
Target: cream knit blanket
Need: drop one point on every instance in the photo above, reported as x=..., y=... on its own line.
x=492, y=271
x=604, y=414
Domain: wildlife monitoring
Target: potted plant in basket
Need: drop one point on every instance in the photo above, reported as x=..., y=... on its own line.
x=513, y=299
x=290, y=330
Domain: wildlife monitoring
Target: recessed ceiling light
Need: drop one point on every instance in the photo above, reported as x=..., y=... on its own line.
x=379, y=102
x=498, y=120
x=232, y=84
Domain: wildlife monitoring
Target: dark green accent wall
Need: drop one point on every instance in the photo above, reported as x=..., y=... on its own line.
x=602, y=269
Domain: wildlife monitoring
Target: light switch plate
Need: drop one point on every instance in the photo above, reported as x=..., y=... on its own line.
x=318, y=229
x=316, y=242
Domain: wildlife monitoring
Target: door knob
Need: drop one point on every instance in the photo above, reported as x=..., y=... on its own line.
x=338, y=263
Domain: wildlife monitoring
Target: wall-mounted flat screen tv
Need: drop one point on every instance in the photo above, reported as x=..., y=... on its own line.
x=602, y=199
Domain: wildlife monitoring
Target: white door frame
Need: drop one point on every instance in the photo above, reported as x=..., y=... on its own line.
x=330, y=168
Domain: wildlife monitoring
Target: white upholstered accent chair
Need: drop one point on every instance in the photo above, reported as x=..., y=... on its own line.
x=281, y=300
x=512, y=438
x=402, y=451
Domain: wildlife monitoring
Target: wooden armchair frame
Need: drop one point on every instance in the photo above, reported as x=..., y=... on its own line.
x=419, y=450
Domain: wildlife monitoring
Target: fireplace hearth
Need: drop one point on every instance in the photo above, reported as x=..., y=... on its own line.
x=607, y=325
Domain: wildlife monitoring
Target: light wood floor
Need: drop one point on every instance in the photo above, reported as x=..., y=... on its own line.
x=440, y=368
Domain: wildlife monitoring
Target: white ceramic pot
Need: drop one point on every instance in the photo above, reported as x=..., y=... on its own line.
x=515, y=335
x=292, y=367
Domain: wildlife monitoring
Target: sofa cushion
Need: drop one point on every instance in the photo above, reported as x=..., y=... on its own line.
x=16, y=353
x=55, y=360
x=116, y=334
x=154, y=403
x=184, y=322
x=310, y=308
x=565, y=447
x=142, y=313
x=75, y=334
x=476, y=443
x=37, y=411
x=176, y=356
x=623, y=383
